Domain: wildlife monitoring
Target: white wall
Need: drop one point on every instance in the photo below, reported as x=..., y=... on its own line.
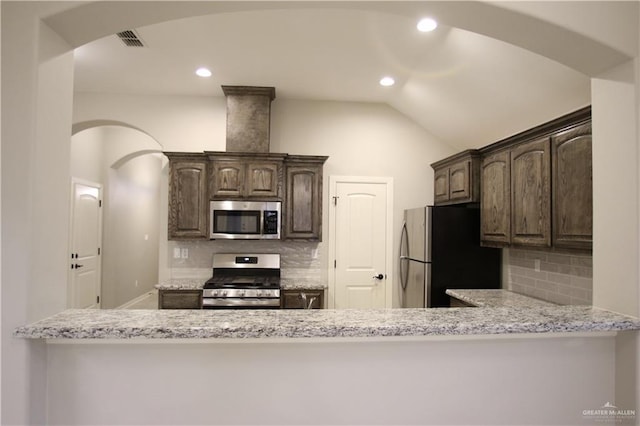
x=131, y=230
x=615, y=191
x=36, y=104
x=87, y=155
x=548, y=380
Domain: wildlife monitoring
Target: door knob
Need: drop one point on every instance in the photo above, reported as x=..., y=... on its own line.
x=78, y=266
x=378, y=277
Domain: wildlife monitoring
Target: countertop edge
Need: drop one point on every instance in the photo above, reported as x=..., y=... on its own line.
x=198, y=324
x=268, y=340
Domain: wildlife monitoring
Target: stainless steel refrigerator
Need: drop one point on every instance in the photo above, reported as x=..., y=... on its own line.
x=439, y=250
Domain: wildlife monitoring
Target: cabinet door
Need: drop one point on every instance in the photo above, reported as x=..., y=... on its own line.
x=441, y=186
x=531, y=194
x=303, y=212
x=262, y=180
x=302, y=299
x=572, y=194
x=227, y=178
x=495, y=200
x=188, y=210
x=460, y=181
x=180, y=299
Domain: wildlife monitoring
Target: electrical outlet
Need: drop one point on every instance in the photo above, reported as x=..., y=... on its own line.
x=176, y=253
x=185, y=253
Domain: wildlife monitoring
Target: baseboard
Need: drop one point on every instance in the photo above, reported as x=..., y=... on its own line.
x=137, y=299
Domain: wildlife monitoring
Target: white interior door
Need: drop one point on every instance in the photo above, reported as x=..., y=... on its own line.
x=360, y=221
x=86, y=239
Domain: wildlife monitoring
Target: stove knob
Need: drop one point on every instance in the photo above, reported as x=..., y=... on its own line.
x=214, y=293
x=258, y=293
x=223, y=293
x=240, y=293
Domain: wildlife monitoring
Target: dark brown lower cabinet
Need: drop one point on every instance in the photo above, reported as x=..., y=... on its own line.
x=180, y=299
x=302, y=299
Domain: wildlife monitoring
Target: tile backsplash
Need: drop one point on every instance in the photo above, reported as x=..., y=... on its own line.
x=297, y=259
x=563, y=278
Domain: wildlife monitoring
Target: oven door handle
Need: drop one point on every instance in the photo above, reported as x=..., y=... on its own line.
x=215, y=302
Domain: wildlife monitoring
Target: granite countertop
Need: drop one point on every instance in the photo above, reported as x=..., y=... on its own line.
x=498, y=298
x=198, y=283
x=182, y=284
x=321, y=323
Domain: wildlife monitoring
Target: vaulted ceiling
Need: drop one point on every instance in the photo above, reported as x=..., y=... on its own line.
x=465, y=88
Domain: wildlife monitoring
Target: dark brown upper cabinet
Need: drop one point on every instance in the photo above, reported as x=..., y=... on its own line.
x=196, y=178
x=572, y=190
x=495, y=199
x=536, y=186
x=188, y=198
x=251, y=175
x=303, y=207
x=531, y=194
x=456, y=179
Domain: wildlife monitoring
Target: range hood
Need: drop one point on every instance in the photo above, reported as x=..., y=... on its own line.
x=248, y=118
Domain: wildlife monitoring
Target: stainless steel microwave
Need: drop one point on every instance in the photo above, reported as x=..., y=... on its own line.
x=248, y=220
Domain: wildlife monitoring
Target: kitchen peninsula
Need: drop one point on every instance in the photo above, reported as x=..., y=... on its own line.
x=355, y=364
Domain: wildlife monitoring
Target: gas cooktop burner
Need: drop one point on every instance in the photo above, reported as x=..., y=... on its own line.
x=243, y=282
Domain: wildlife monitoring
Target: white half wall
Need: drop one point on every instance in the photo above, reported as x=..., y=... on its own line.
x=548, y=380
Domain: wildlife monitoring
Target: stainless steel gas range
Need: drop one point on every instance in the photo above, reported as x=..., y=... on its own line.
x=243, y=281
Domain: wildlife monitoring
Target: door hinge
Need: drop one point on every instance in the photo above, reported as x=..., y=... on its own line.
x=335, y=200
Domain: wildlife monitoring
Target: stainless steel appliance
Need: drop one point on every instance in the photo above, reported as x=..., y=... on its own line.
x=243, y=281
x=256, y=220
x=439, y=250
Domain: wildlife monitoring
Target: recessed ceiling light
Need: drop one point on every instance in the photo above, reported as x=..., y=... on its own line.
x=387, y=81
x=427, y=24
x=203, y=72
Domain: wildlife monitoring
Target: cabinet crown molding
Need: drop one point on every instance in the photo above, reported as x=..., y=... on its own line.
x=544, y=130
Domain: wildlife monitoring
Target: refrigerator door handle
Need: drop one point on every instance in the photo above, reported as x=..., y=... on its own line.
x=413, y=260
x=403, y=275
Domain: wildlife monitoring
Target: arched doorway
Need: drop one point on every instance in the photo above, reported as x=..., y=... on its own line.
x=128, y=164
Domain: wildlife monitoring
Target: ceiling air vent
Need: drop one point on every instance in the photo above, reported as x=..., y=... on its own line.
x=130, y=38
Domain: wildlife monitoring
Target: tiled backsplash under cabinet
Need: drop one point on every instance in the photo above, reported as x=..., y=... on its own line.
x=298, y=260
x=562, y=278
